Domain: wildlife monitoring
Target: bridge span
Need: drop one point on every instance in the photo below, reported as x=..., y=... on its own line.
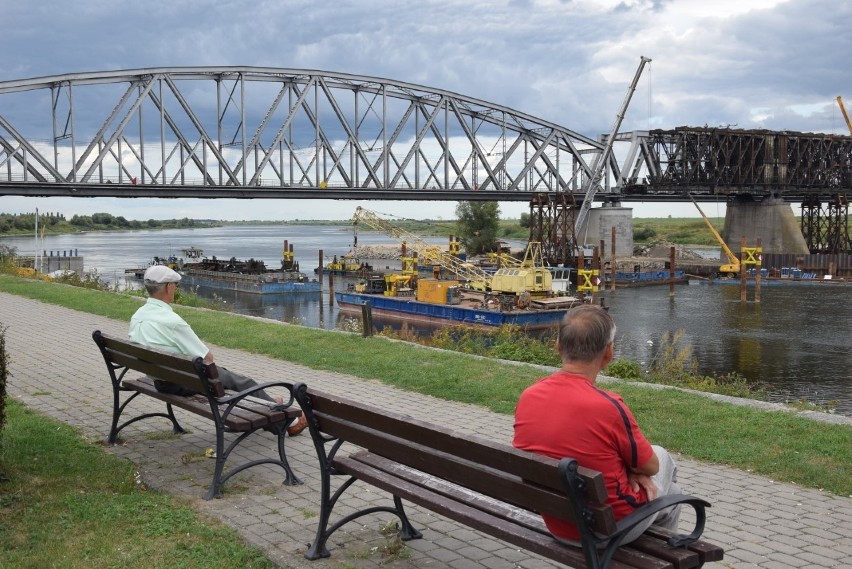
x=269, y=133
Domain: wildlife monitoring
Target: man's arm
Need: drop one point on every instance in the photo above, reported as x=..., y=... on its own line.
x=650, y=468
x=641, y=477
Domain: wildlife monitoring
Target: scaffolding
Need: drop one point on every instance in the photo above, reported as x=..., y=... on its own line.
x=552, y=224
x=826, y=229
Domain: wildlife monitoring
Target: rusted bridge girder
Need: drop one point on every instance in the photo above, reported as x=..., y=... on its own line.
x=791, y=165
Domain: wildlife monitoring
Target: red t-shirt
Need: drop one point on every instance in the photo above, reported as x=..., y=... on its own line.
x=564, y=415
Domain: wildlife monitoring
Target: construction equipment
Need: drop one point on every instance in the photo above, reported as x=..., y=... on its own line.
x=601, y=159
x=732, y=269
x=845, y=114
x=529, y=276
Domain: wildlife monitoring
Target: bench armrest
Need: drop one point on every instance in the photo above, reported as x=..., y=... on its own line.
x=624, y=525
x=650, y=509
x=236, y=397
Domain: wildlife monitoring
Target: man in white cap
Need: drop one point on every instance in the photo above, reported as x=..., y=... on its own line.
x=155, y=324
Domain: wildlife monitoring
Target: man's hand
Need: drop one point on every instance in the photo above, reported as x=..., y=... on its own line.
x=638, y=481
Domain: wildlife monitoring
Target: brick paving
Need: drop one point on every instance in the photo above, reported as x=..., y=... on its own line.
x=760, y=522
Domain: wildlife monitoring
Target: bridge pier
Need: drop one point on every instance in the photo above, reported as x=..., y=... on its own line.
x=771, y=220
x=599, y=226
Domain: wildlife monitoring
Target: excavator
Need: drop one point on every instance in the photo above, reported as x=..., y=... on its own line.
x=528, y=277
x=732, y=269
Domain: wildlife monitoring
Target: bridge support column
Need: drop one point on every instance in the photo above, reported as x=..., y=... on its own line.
x=600, y=222
x=771, y=220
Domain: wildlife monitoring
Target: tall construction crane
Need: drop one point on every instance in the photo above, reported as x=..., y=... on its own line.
x=593, y=182
x=845, y=114
x=732, y=269
x=531, y=275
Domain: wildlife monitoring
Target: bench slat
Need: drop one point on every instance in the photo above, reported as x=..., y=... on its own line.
x=523, y=517
x=680, y=558
x=460, y=470
x=472, y=517
x=529, y=466
x=707, y=552
x=484, y=501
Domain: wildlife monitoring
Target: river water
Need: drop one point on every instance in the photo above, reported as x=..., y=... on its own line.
x=796, y=341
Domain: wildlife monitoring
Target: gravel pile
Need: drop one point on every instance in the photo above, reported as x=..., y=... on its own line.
x=377, y=252
x=662, y=249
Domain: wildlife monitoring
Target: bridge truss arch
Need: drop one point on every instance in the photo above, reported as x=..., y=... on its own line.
x=253, y=132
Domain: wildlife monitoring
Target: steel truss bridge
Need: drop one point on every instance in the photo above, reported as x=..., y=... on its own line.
x=246, y=132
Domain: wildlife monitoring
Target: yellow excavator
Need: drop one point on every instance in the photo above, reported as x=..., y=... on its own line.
x=845, y=114
x=732, y=269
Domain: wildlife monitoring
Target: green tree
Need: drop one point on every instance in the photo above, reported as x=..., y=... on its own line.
x=102, y=218
x=525, y=220
x=81, y=221
x=478, y=224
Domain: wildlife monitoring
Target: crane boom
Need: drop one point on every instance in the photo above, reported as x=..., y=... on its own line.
x=474, y=276
x=734, y=266
x=845, y=114
x=600, y=161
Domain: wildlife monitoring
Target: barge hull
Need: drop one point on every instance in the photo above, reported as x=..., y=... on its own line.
x=249, y=286
x=412, y=310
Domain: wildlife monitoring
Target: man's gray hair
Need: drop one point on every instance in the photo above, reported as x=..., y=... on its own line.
x=154, y=288
x=584, y=333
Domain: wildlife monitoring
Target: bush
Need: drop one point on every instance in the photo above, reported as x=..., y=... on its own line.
x=625, y=369
x=643, y=234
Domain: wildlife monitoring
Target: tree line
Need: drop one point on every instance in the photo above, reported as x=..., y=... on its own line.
x=11, y=223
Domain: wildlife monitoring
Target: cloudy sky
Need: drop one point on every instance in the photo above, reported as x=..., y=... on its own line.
x=770, y=64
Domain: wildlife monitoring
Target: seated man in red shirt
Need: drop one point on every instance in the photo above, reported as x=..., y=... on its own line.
x=566, y=415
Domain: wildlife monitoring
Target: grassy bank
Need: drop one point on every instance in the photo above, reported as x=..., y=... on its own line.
x=68, y=504
x=778, y=445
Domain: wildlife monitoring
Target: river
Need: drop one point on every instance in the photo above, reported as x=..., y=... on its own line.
x=796, y=341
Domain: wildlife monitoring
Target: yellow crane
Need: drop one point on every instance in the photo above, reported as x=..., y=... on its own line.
x=530, y=275
x=732, y=269
x=845, y=114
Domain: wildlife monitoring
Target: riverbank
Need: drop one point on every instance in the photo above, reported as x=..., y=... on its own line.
x=668, y=416
x=749, y=510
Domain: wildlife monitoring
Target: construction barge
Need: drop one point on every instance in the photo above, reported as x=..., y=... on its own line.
x=250, y=276
x=439, y=301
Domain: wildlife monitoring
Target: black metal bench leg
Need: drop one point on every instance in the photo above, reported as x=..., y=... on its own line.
x=290, y=478
x=407, y=531
x=216, y=486
x=116, y=415
x=176, y=428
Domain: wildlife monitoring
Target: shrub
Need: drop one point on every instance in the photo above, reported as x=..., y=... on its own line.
x=643, y=234
x=625, y=369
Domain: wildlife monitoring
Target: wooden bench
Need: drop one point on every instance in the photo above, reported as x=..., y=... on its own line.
x=489, y=486
x=240, y=413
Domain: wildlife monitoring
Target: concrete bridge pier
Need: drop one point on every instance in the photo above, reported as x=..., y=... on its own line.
x=771, y=220
x=599, y=226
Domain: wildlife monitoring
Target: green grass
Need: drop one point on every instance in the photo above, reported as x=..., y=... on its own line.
x=68, y=504
x=779, y=445
x=682, y=231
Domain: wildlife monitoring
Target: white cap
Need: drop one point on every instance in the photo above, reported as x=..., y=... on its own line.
x=159, y=274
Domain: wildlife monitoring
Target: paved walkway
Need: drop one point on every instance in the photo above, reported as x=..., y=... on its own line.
x=760, y=523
